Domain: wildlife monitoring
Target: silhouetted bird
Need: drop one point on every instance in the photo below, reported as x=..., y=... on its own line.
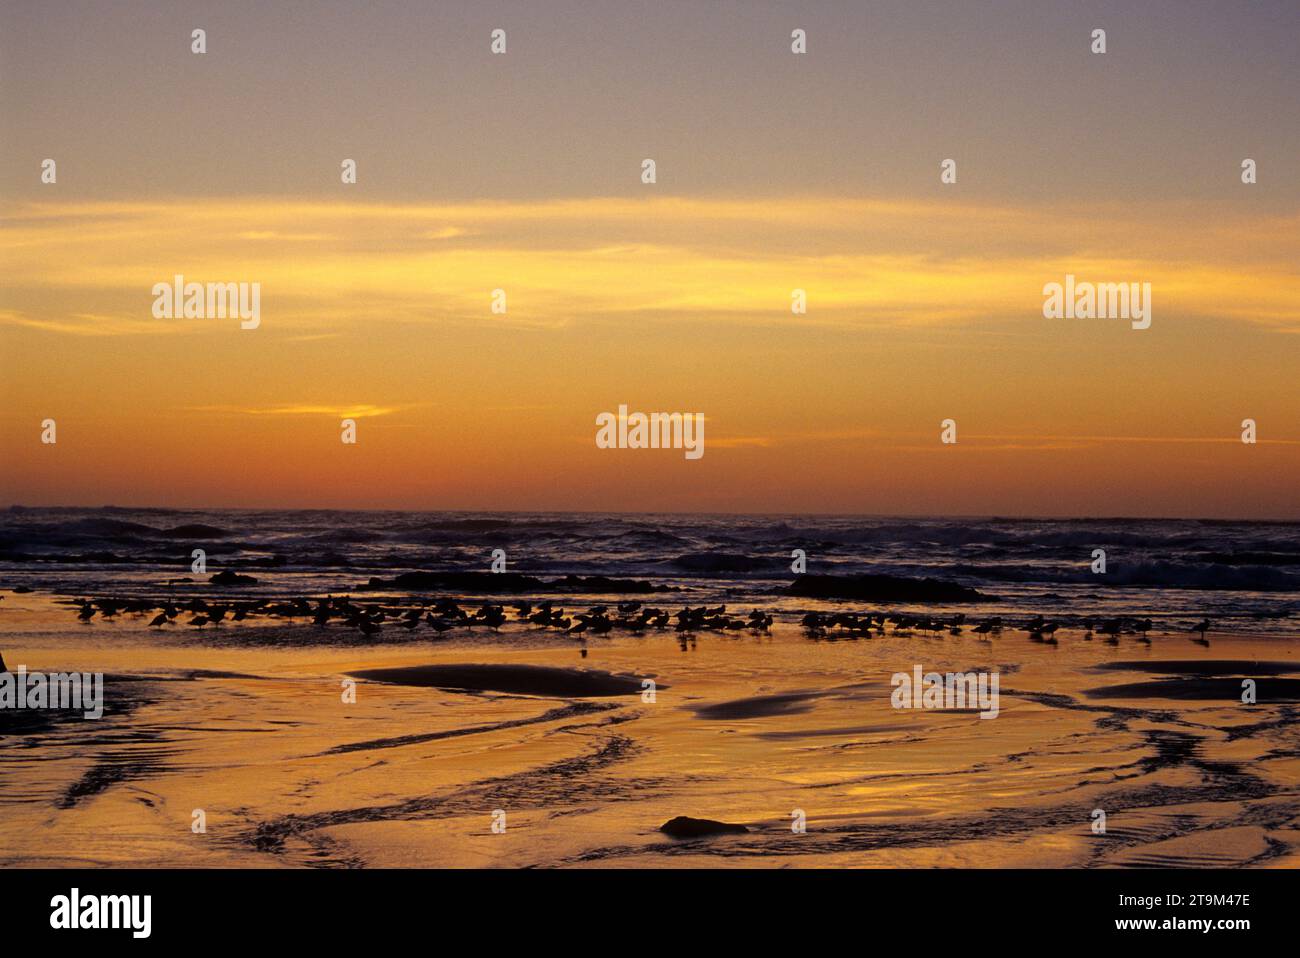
x=158, y=619
x=491, y=615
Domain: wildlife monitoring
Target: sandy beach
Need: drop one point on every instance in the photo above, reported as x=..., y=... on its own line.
x=249, y=724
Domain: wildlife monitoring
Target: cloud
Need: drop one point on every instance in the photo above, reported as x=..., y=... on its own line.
x=863, y=263
x=355, y=411
x=83, y=324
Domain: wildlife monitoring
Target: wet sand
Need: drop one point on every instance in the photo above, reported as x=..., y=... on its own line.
x=446, y=734
x=519, y=679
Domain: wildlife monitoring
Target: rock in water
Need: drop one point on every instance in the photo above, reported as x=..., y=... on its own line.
x=232, y=578
x=883, y=588
x=512, y=582
x=684, y=827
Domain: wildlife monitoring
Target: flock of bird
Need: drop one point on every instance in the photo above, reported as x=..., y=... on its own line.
x=864, y=625
x=443, y=615
x=440, y=615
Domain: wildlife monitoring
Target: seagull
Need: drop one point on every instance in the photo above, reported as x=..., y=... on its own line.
x=1202, y=627
x=159, y=619
x=491, y=615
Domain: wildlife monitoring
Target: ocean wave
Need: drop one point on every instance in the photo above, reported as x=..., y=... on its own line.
x=1153, y=573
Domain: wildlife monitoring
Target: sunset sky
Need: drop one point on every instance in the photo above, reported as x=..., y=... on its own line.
x=775, y=171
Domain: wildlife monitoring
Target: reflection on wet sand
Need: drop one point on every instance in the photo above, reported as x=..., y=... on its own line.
x=586, y=767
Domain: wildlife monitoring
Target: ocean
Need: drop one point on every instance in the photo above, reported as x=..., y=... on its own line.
x=404, y=730
x=1245, y=576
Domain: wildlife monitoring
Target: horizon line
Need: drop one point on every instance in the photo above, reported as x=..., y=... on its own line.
x=992, y=517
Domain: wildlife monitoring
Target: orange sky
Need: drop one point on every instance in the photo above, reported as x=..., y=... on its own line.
x=918, y=312
x=776, y=171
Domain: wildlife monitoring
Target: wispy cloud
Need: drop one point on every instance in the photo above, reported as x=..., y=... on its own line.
x=354, y=411
x=862, y=263
x=83, y=324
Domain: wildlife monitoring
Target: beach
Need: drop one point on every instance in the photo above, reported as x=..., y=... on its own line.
x=522, y=746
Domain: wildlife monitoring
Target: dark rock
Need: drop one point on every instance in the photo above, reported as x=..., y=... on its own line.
x=724, y=562
x=600, y=583
x=458, y=582
x=883, y=588
x=232, y=578
x=510, y=582
x=684, y=827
